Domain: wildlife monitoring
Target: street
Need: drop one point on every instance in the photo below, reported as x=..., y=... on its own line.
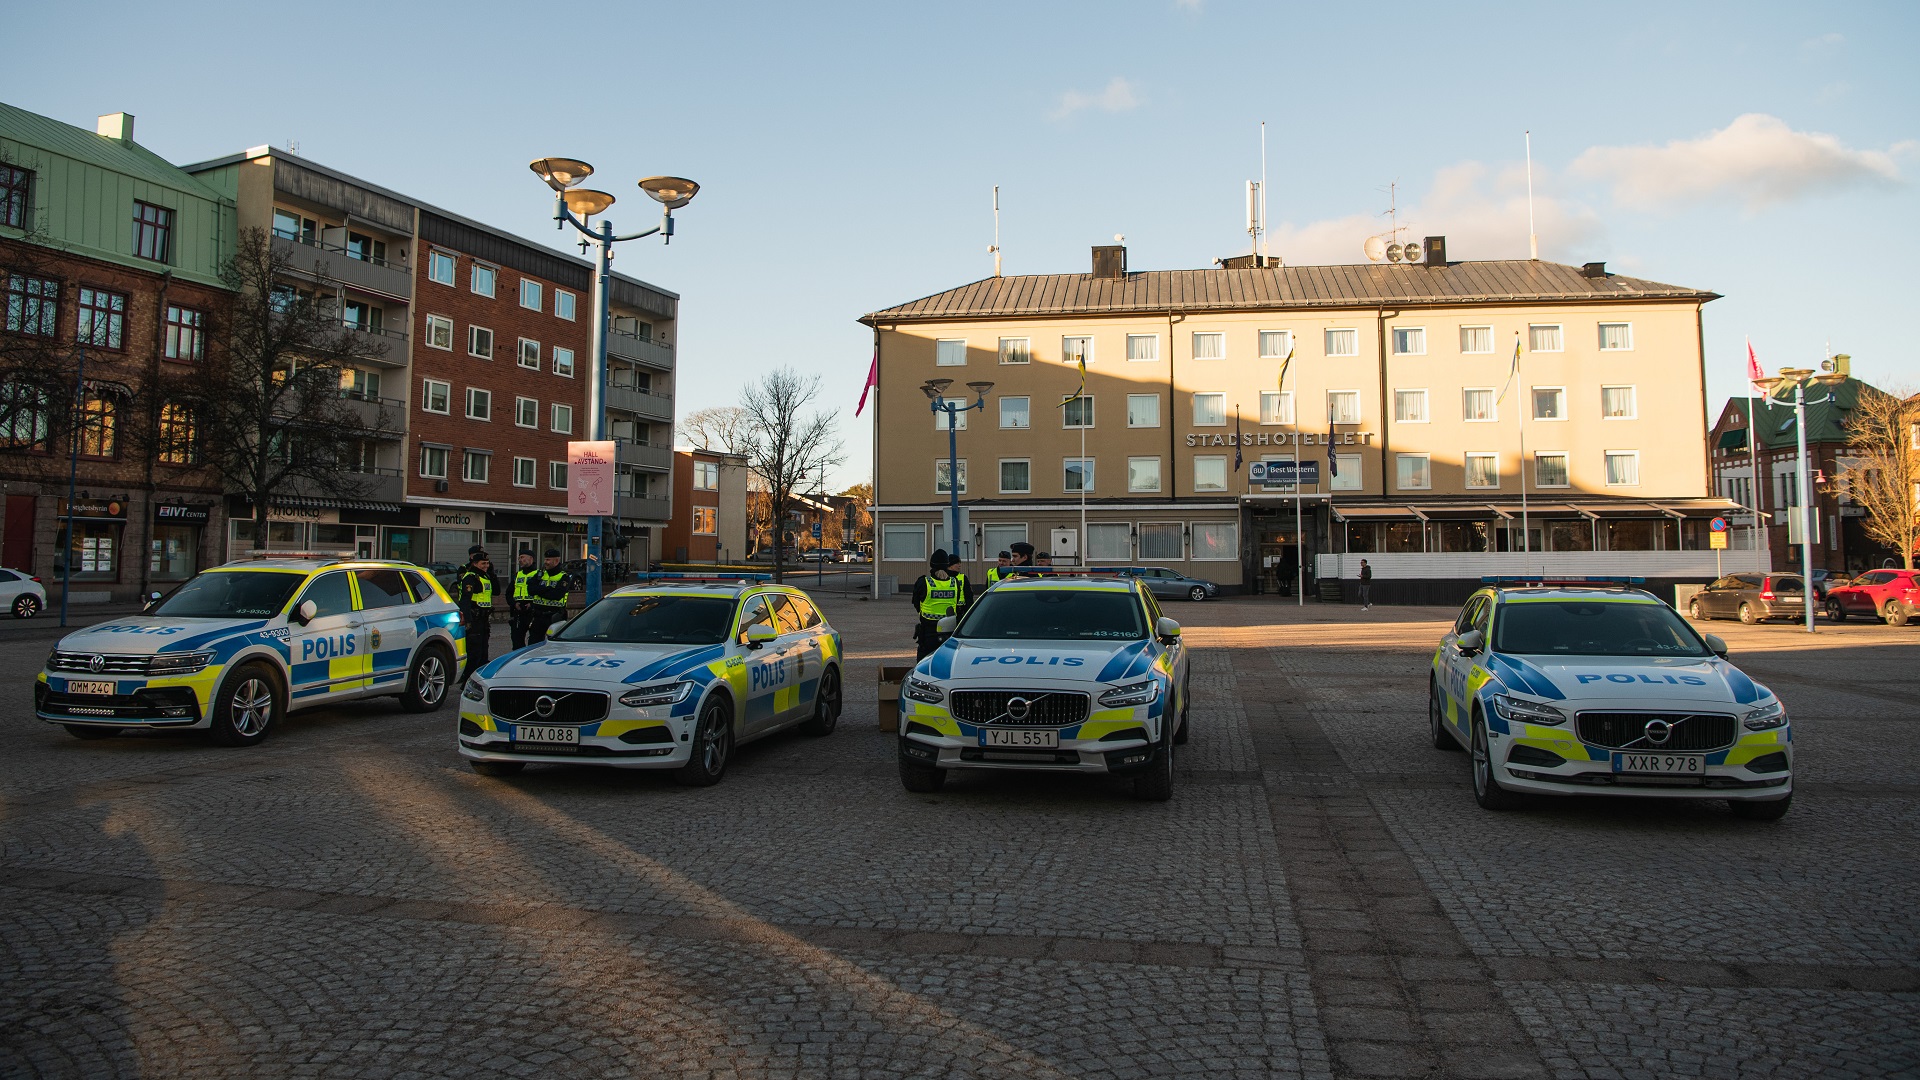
x=1320, y=898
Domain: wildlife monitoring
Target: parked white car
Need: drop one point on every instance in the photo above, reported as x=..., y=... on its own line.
x=22, y=594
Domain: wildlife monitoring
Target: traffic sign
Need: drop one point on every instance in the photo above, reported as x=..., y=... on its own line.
x=1717, y=541
x=816, y=530
x=1718, y=525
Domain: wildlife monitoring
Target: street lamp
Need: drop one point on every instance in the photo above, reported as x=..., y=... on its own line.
x=573, y=205
x=1799, y=378
x=935, y=389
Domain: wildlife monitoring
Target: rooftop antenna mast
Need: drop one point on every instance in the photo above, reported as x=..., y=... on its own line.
x=995, y=249
x=1263, y=193
x=1533, y=238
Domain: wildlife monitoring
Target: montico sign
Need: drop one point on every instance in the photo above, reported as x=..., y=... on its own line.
x=1274, y=438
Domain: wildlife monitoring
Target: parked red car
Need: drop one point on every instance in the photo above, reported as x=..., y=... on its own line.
x=1893, y=595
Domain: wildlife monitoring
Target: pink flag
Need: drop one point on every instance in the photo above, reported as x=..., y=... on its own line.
x=873, y=380
x=1754, y=374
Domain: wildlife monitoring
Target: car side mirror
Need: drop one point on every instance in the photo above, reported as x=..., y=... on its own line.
x=947, y=623
x=554, y=630
x=1471, y=642
x=759, y=634
x=305, y=613
x=153, y=601
x=1718, y=644
x=1166, y=630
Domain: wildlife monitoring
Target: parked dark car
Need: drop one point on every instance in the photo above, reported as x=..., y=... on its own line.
x=1893, y=595
x=1168, y=584
x=1750, y=598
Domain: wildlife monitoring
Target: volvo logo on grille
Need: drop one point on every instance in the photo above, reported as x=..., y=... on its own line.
x=545, y=705
x=98, y=663
x=1658, y=732
x=1017, y=708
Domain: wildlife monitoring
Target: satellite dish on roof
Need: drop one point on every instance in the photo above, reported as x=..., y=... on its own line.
x=1375, y=248
x=1411, y=252
x=1393, y=253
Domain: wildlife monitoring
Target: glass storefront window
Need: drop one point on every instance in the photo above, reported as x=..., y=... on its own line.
x=173, y=552
x=1628, y=535
x=92, y=550
x=1569, y=536
x=407, y=545
x=1404, y=536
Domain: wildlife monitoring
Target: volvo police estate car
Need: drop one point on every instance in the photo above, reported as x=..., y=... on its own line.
x=1587, y=690
x=237, y=647
x=1053, y=673
x=667, y=674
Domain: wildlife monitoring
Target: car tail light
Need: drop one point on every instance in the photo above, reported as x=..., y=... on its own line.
x=1766, y=594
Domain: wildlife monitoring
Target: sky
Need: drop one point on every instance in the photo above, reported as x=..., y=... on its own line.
x=847, y=152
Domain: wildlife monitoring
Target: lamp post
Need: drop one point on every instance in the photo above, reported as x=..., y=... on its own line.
x=574, y=205
x=935, y=389
x=73, y=476
x=1798, y=377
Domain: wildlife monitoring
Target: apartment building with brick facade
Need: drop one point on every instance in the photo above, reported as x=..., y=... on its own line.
x=710, y=508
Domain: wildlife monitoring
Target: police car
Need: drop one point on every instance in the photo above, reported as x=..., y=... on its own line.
x=237, y=647
x=1576, y=689
x=1050, y=674
x=671, y=673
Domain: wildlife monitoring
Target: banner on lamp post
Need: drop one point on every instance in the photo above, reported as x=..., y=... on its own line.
x=590, y=471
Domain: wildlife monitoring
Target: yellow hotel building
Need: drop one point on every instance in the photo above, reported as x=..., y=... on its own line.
x=1420, y=448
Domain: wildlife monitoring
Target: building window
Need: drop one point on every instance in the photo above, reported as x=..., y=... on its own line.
x=1275, y=344
x=288, y=225
x=480, y=342
x=479, y=404
x=557, y=475
x=483, y=279
x=530, y=354
x=1076, y=475
x=1478, y=405
x=25, y=411
x=1410, y=341
x=1414, y=471
x=1209, y=346
x=1077, y=412
x=562, y=419
x=904, y=543
x=152, y=232
x=433, y=462
x=440, y=267
x=1616, y=337
x=523, y=469
x=366, y=249
x=1549, y=403
x=1210, y=473
x=1216, y=541
x=1343, y=406
x=1550, y=469
x=1075, y=351
x=1161, y=541
x=958, y=417
x=706, y=476
x=33, y=305
x=941, y=484
x=1544, y=337
x=1016, y=350
x=186, y=334
x=706, y=520
x=439, y=332
x=1343, y=343
x=435, y=396
x=1483, y=470
x=103, y=319
x=950, y=352
x=563, y=362
x=474, y=465
x=1623, y=468
x=13, y=196
x=1108, y=540
x=1346, y=472
x=1618, y=403
x=1143, y=410
x=1276, y=406
x=1476, y=339
x=1209, y=410
x=357, y=315
x=530, y=297
x=1143, y=346
x=526, y=412
x=1143, y=474
x=1015, y=413
x=563, y=304
x=179, y=441
x=1410, y=406
x=1016, y=476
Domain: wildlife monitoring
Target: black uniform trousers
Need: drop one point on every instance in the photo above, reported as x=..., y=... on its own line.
x=478, y=623
x=519, y=620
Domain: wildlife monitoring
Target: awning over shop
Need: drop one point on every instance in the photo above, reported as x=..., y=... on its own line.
x=1619, y=509
x=1700, y=508
x=1360, y=513
x=314, y=502
x=1454, y=513
x=1533, y=510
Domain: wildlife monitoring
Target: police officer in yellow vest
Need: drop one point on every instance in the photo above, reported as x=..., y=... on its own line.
x=999, y=570
x=954, y=571
x=522, y=611
x=548, y=592
x=936, y=595
x=474, y=594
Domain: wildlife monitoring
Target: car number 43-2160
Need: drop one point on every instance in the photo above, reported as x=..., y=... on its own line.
x=1685, y=764
x=1019, y=737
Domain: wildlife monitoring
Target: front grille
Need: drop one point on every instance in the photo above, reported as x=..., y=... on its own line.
x=569, y=706
x=110, y=663
x=1628, y=731
x=173, y=705
x=1044, y=708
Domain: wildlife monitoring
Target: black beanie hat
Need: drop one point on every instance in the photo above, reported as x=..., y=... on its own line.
x=938, y=560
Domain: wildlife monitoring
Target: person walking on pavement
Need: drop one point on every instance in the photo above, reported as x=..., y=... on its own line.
x=1366, y=585
x=549, y=595
x=935, y=596
x=520, y=616
x=474, y=594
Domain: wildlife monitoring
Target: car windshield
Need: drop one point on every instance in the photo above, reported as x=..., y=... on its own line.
x=653, y=620
x=232, y=594
x=1593, y=628
x=1054, y=615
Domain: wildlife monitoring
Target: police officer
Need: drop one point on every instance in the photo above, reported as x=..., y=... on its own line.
x=999, y=570
x=474, y=594
x=549, y=595
x=954, y=571
x=1022, y=558
x=935, y=596
x=522, y=610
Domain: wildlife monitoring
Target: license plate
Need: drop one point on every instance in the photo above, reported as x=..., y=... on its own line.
x=1019, y=737
x=89, y=687
x=1685, y=764
x=568, y=735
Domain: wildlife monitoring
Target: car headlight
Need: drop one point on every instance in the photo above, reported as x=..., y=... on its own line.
x=179, y=663
x=1526, y=712
x=662, y=694
x=475, y=690
x=1138, y=693
x=919, y=689
x=1771, y=715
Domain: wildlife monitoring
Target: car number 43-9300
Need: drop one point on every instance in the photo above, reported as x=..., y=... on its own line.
x=1684, y=764
x=1019, y=737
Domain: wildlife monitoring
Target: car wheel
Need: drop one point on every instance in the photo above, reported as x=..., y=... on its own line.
x=922, y=779
x=826, y=704
x=247, y=706
x=1746, y=614
x=89, y=732
x=427, y=680
x=1754, y=810
x=1836, y=612
x=1694, y=612
x=497, y=768
x=26, y=607
x=1896, y=613
x=1156, y=784
x=1197, y=593
x=1437, y=719
x=712, y=746
x=1486, y=786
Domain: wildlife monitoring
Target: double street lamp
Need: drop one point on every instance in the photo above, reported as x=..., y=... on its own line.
x=574, y=205
x=936, y=390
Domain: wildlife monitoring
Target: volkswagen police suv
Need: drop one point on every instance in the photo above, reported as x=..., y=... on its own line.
x=1050, y=674
x=235, y=648
x=1567, y=689
x=672, y=673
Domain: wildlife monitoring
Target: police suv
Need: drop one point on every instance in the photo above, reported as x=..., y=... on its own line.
x=1051, y=674
x=1603, y=691
x=672, y=673
x=237, y=647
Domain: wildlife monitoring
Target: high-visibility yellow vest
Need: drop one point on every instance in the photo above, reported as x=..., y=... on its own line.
x=961, y=580
x=482, y=593
x=941, y=599
x=521, y=578
x=994, y=573
x=552, y=579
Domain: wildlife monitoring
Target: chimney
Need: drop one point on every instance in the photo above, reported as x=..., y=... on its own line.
x=1436, y=250
x=1109, y=261
x=1593, y=270
x=115, y=126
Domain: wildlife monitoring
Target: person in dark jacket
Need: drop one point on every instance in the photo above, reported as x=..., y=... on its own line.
x=520, y=614
x=935, y=596
x=473, y=592
x=548, y=592
x=1366, y=585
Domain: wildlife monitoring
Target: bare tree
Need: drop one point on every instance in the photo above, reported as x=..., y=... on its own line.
x=268, y=409
x=1882, y=471
x=722, y=429
x=37, y=369
x=784, y=448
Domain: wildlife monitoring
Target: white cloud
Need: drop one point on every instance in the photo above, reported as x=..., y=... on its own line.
x=1757, y=159
x=1117, y=96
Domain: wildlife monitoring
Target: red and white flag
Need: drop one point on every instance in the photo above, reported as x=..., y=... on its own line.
x=873, y=380
x=1754, y=374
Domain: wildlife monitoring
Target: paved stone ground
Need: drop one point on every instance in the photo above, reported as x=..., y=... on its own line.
x=1321, y=898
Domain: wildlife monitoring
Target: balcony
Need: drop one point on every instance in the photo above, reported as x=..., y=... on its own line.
x=657, y=509
x=643, y=350
x=376, y=345
x=643, y=403
x=331, y=263
x=369, y=410
x=641, y=456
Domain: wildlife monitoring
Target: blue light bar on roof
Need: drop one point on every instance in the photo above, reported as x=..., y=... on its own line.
x=1538, y=580
x=727, y=578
